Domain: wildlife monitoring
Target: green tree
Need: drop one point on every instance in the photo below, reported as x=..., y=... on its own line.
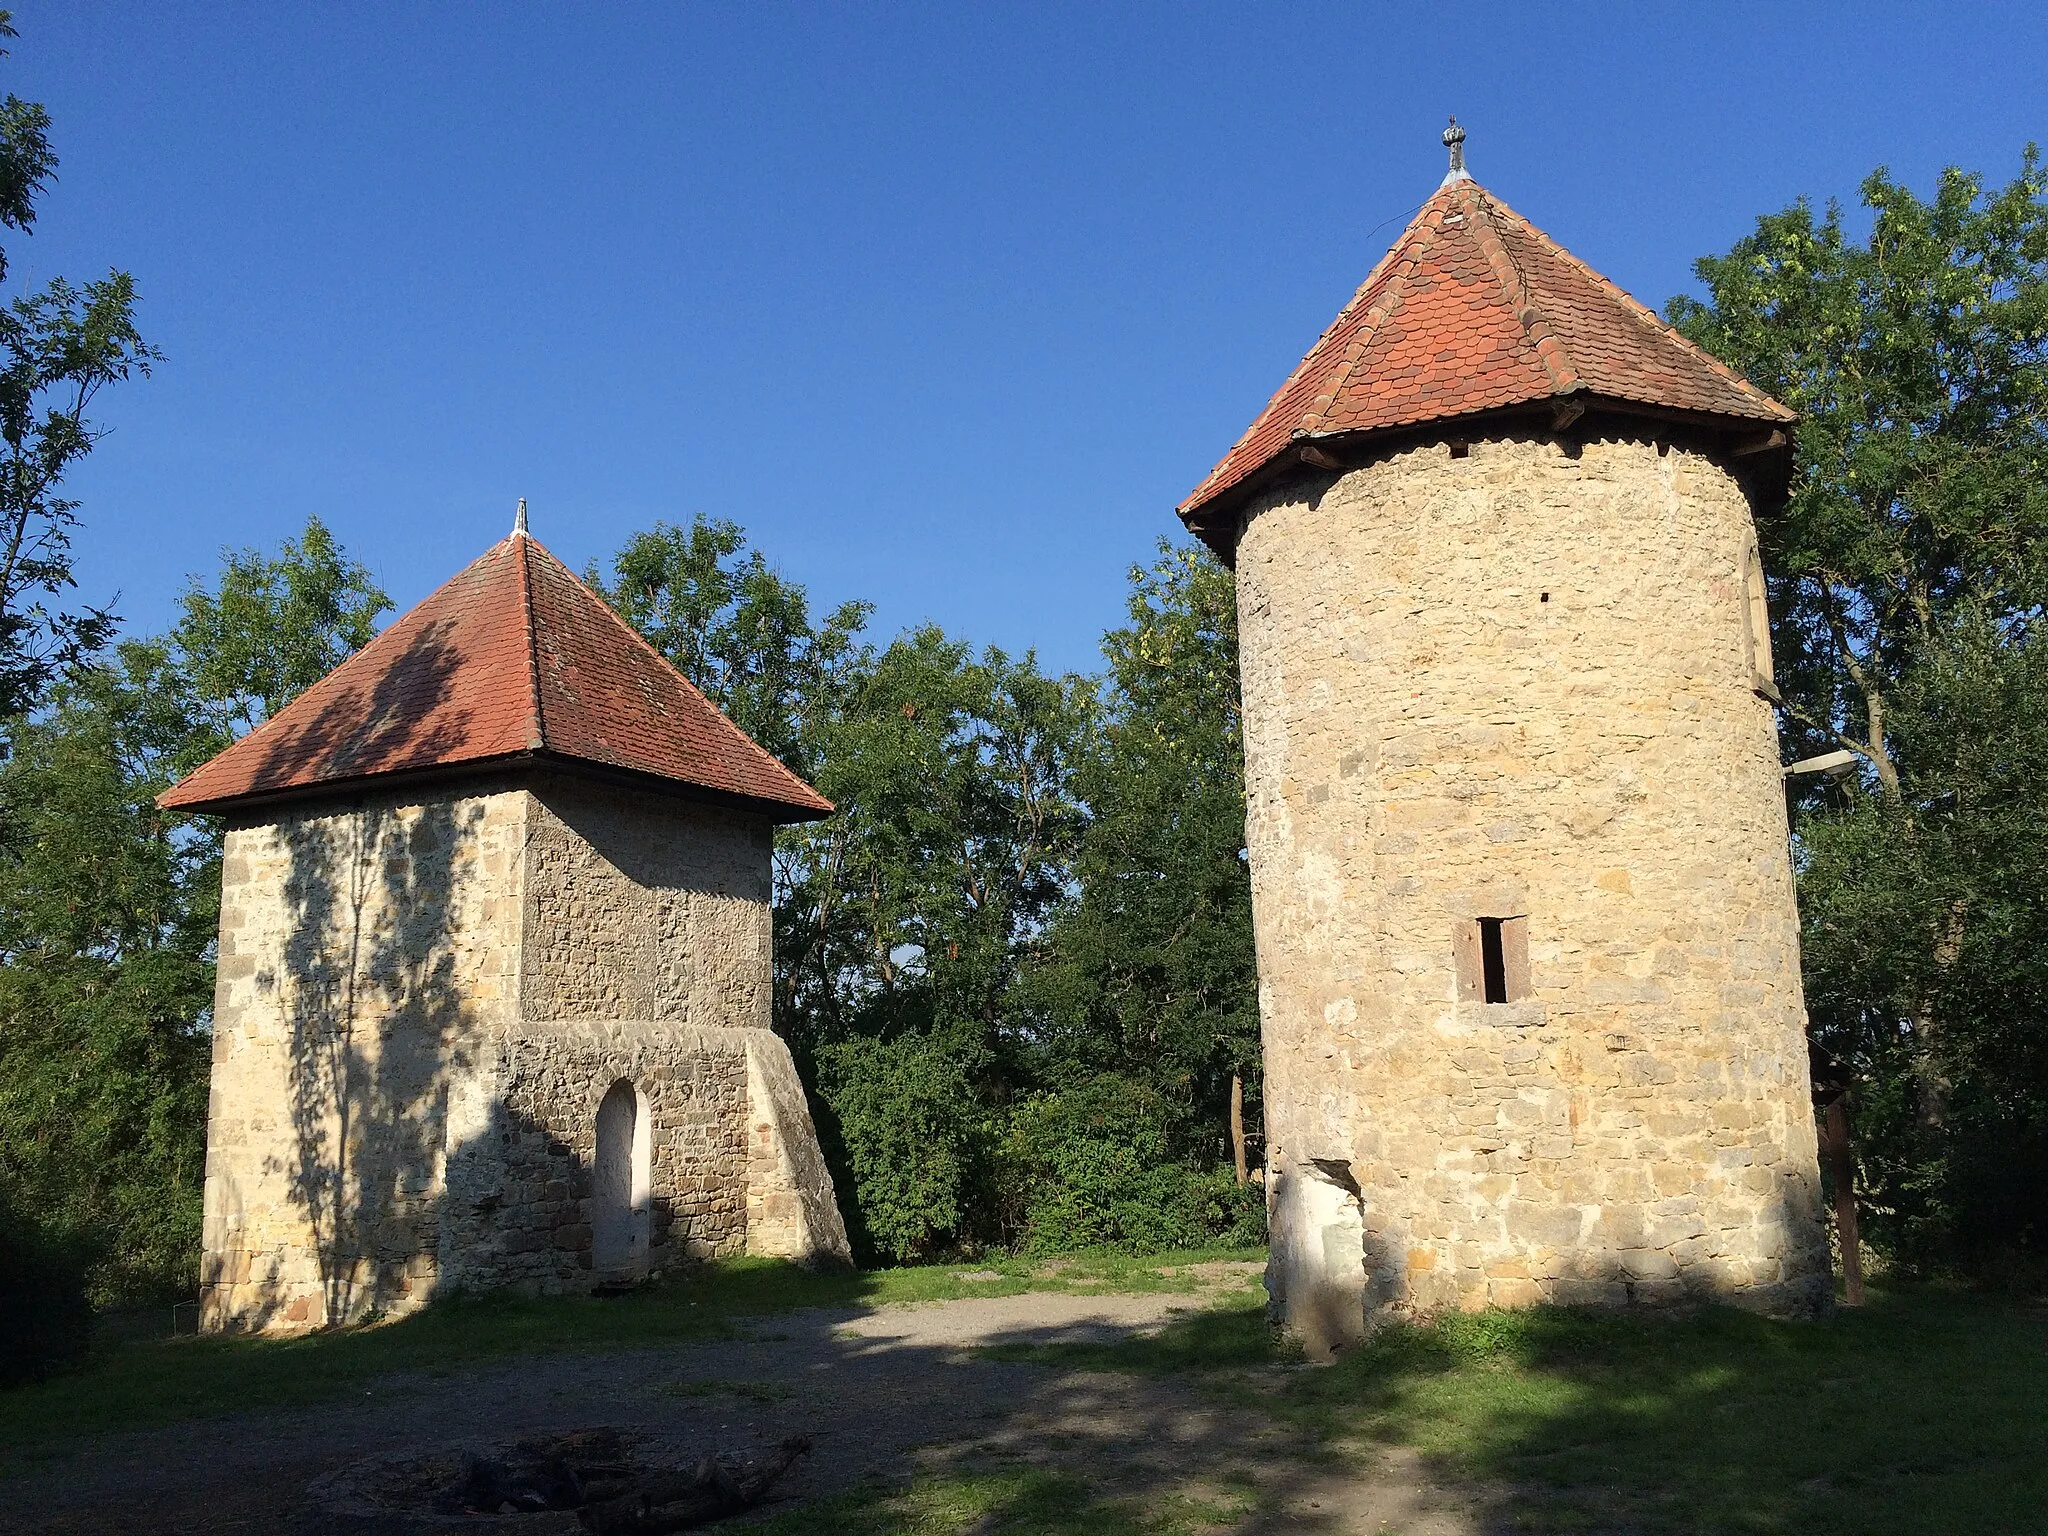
x=108, y=907
x=902, y=923
x=1155, y=975
x=1148, y=1065
x=1095, y=1164
x=105, y=978
x=1907, y=586
x=270, y=629
x=922, y=897
x=911, y=1140
x=59, y=346
x=1926, y=952
x=1015, y=964
x=1918, y=361
x=917, y=909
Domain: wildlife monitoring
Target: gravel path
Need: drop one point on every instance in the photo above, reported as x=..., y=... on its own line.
x=880, y=1392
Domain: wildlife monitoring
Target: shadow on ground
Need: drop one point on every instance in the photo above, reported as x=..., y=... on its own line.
x=1927, y=1411
x=1108, y=1414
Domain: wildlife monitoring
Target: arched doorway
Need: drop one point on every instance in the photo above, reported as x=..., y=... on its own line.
x=620, y=1184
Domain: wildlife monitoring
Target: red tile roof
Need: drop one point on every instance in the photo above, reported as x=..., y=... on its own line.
x=1473, y=309
x=514, y=658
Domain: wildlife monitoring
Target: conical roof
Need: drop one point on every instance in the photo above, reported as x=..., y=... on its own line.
x=1475, y=309
x=514, y=660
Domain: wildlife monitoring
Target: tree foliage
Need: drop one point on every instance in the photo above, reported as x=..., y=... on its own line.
x=1926, y=949
x=1908, y=573
x=729, y=623
x=1155, y=959
x=271, y=628
x=59, y=346
x=1918, y=361
x=1100, y=1162
x=108, y=907
x=106, y=920
x=943, y=952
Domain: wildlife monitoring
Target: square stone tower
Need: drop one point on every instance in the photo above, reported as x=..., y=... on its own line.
x=1528, y=951
x=493, y=998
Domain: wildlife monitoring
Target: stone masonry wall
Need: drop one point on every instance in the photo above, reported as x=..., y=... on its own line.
x=519, y=1209
x=1519, y=684
x=640, y=908
x=364, y=947
x=421, y=1006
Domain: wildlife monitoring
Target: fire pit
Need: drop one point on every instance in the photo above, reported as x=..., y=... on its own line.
x=607, y=1481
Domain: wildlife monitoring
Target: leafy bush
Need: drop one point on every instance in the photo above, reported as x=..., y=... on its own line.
x=45, y=1319
x=1090, y=1167
x=910, y=1132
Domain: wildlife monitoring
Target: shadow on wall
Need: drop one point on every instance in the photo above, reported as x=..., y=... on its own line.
x=683, y=886
x=373, y=1014
x=524, y=1211
x=621, y=841
x=396, y=1206
x=369, y=1000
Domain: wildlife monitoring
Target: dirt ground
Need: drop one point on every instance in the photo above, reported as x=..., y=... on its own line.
x=881, y=1393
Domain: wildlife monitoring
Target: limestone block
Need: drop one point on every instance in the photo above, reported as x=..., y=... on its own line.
x=792, y=1212
x=1317, y=1283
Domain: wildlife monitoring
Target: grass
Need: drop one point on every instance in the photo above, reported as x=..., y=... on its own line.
x=127, y=1384
x=748, y=1391
x=1232, y=1333
x=1077, y=1273
x=1925, y=1411
x=1017, y=1501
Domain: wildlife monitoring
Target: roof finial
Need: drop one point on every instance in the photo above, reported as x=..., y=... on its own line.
x=1454, y=141
x=519, y=520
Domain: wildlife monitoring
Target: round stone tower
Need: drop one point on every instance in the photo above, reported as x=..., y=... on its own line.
x=1528, y=951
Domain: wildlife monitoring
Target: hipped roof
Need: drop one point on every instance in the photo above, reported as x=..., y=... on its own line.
x=513, y=660
x=1475, y=309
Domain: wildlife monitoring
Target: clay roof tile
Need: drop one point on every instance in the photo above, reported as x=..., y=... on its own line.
x=1474, y=309
x=511, y=658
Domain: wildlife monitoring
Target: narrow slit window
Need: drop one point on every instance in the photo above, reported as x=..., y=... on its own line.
x=1493, y=960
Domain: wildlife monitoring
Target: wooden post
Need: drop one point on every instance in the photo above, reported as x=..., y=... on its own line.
x=1237, y=1127
x=1843, y=1168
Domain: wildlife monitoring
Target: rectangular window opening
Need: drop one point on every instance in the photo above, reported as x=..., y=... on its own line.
x=1493, y=960
x=1491, y=955
x=1461, y=450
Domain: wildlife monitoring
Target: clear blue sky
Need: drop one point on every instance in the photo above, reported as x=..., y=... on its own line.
x=947, y=306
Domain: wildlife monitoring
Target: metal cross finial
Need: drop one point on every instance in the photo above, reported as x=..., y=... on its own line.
x=519, y=521
x=1454, y=141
